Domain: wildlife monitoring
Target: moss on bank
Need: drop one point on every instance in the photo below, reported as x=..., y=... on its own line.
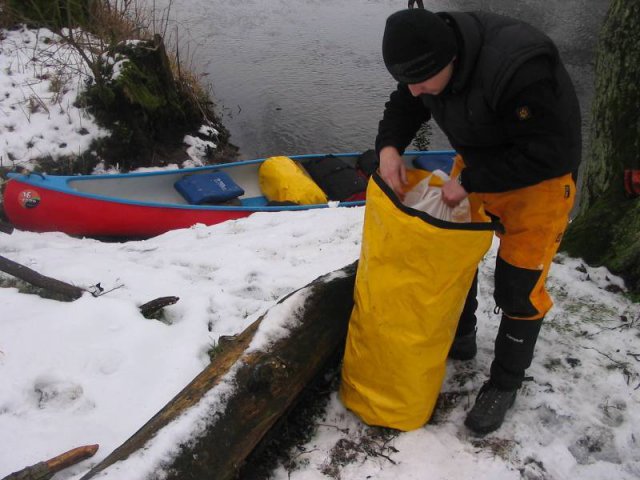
x=146, y=110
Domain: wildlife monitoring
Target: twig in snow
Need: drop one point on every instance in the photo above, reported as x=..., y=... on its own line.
x=616, y=362
x=368, y=448
x=97, y=290
x=626, y=325
x=341, y=430
x=623, y=366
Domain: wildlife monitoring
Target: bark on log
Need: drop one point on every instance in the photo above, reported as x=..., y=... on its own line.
x=64, y=290
x=267, y=383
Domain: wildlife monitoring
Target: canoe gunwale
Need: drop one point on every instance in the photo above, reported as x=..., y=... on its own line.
x=61, y=184
x=187, y=206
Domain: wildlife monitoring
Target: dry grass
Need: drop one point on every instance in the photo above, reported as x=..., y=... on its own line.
x=118, y=21
x=112, y=22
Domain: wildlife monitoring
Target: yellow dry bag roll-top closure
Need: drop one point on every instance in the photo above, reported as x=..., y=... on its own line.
x=413, y=277
x=284, y=180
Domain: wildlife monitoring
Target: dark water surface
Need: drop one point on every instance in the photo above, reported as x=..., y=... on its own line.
x=306, y=76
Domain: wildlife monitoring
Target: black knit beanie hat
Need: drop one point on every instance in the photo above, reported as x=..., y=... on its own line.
x=416, y=45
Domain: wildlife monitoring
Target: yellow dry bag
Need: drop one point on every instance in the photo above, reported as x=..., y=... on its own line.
x=413, y=277
x=283, y=180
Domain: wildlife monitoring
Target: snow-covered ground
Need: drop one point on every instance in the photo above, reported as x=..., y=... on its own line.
x=95, y=370
x=40, y=79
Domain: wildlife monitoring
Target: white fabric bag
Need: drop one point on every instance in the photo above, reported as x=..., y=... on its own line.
x=428, y=198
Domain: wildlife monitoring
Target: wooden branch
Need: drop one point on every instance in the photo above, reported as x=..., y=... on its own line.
x=153, y=307
x=267, y=383
x=47, y=469
x=65, y=290
x=72, y=457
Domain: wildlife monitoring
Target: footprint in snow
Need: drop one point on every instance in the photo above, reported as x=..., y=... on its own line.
x=54, y=393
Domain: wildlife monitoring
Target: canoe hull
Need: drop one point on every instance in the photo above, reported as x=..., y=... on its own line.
x=39, y=209
x=146, y=204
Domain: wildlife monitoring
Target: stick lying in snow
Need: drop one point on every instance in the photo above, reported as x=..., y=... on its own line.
x=67, y=291
x=267, y=384
x=47, y=469
x=70, y=292
x=151, y=308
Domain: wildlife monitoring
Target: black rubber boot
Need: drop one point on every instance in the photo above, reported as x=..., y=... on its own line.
x=491, y=406
x=464, y=347
x=514, y=348
x=464, y=344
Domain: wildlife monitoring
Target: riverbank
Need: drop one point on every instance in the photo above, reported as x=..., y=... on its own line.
x=95, y=370
x=50, y=124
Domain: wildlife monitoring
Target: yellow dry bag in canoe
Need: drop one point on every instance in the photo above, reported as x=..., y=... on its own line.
x=413, y=277
x=283, y=180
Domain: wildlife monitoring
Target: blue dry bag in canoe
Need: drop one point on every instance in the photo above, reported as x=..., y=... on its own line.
x=208, y=188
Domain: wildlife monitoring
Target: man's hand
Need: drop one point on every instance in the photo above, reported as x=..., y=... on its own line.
x=392, y=170
x=453, y=193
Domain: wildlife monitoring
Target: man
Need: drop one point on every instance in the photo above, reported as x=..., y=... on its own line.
x=498, y=90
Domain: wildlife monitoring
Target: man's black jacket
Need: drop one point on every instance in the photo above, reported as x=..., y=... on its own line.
x=510, y=108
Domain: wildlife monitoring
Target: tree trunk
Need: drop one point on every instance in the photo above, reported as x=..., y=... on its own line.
x=606, y=230
x=144, y=107
x=267, y=384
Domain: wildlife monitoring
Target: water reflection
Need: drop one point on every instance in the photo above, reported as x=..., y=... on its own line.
x=306, y=76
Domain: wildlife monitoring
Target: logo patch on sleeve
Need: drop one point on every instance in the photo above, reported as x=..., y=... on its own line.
x=523, y=113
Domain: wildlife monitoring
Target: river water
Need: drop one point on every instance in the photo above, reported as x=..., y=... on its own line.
x=306, y=76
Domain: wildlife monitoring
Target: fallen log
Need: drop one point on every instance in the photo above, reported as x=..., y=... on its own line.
x=47, y=469
x=64, y=290
x=267, y=384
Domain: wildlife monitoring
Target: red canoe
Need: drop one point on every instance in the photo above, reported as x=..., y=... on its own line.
x=145, y=204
